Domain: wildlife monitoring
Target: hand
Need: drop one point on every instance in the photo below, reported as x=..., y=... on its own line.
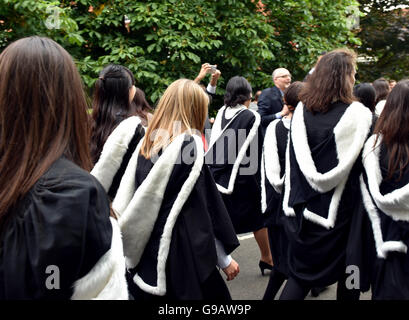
x=232, y=270
x=285, y=110
x=211, y=120
x=203, y=72
x=215, y=76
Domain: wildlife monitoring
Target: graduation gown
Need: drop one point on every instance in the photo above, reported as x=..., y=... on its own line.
x=234, y=157
x=386, y=204
x=321, y=193
x=60, y=243
x=272, y=180
x=170, y=214
x=116, y=153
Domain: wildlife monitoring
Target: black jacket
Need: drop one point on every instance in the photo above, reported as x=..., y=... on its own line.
x=269, y=103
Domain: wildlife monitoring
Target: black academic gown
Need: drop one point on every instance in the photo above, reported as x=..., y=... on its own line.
x=321, y=189
x=190, y=272
x=274, y=148
x=59, y=234
x=233, y=157
x=386, y=225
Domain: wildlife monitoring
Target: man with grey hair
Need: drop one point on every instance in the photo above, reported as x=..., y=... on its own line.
x=270, y=103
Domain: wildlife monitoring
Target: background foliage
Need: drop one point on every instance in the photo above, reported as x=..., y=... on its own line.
x=385, y=37
x=170, y=39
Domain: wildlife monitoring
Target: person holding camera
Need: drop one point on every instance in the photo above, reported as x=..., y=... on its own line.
x=206, y=69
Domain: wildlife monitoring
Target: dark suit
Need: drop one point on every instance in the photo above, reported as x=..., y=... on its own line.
x=269, y=103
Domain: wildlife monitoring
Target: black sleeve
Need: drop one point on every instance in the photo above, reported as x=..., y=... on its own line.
x=61, y=232
x=267, y=106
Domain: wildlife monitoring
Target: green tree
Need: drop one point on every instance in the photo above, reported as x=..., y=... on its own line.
x=385, y=40
x=170, y=39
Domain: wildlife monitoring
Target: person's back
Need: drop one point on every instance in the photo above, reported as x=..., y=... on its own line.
x=384, y=186
x=170, y=210
x=55, y=225
x=326, y=137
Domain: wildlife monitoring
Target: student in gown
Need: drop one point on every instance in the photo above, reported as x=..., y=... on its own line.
x=121, y=107
x=385, y=191
x=321, y=184
x=234, y=157
x=57, y=240
x=175, y=227
x=112, y=103
x=272, y=177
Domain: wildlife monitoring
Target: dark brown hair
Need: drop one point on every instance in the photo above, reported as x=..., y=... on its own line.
x=393, y=126
x=292, y=93
x=110, y=105
x=381, y=86
x=331, y=81
x=43, y=115
x=141, y=106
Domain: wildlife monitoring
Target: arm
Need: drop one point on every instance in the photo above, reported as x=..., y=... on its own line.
x=229, y=266
x=266, y=104
x=203, y=72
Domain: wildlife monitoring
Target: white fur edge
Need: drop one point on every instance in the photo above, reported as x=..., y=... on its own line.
x=288, y=211
x=263, y=186
x=164, y=245
x=138, y=218
x=106, y=280
x=271, y=160
x=328, y=222
x=382, y=248
x=217, y=126
x=350, y=134
x=396, y=203
x=113, y=151
x=240, y=156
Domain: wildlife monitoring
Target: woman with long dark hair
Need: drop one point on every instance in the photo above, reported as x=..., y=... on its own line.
x=385, y=191
x=120, y=113
x=175, y=227
x=321, y=184
x=57, y=240
x=233, y=157
x=112, y=103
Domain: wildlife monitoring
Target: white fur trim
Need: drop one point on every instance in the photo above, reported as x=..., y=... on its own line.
x=288, y=211
x=271, y=159
x=350, y=134
x=243, y=149
x=263, y=186
x=140, y=214
x=114, y=150
x=382, y=248
x=217, y=125
x=106, y=280
x=396, y=203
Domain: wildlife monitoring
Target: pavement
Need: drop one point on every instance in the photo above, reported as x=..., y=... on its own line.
x=251, y=285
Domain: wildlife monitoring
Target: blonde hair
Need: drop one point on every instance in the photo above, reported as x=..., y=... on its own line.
x=183, y=107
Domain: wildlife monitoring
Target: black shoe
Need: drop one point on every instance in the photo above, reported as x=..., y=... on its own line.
x=315, y=292
x=264, y=265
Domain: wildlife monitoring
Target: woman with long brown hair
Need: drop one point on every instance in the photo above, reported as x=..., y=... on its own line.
x=321, y=184
x=170, y=211
x=112, y=103
x=385, y=191
x=57, y=240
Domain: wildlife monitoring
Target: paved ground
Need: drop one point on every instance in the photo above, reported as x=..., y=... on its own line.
x=250, y=284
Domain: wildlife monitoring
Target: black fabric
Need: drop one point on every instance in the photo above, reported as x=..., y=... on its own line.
x=390, y=276
x=63, y=221
x=244, y=203
x=274, y=213
x=317, y=256
x=269, y=103
x=192, y=256
x=138, y=135
x=275, y=282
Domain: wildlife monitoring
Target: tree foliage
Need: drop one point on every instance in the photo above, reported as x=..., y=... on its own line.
x=385, y=40
x=170, y=39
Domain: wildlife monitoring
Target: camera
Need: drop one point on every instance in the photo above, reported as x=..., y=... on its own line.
x=213, y=68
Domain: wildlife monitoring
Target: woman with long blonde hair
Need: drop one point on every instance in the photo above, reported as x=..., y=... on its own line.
x=170, y=211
